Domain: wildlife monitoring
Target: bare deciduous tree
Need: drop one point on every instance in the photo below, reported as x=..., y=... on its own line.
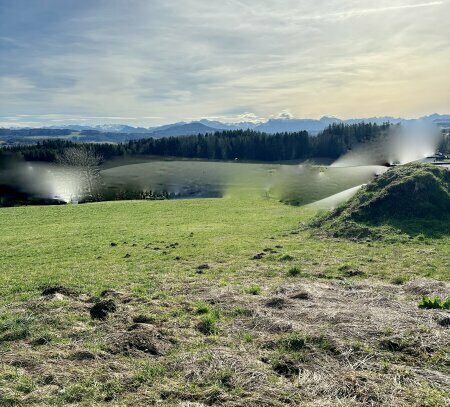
x=86, y=164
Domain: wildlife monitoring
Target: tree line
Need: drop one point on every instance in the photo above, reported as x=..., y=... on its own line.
x=332, y=142
x=444, y=145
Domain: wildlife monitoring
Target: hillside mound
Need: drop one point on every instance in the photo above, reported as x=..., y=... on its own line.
x=413, y=199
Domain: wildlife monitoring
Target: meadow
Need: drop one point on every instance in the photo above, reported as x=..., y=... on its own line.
x=228, y=301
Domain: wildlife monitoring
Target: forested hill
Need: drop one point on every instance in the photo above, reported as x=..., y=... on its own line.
x=227, y=145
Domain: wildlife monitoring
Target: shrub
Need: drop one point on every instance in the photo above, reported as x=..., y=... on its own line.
x=434, y=303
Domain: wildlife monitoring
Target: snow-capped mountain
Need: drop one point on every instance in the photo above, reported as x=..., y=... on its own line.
x=273, y=125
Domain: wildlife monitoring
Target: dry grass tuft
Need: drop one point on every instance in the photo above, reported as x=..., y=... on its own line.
x=310, y=343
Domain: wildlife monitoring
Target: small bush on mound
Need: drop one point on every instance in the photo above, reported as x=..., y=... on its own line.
x=412, y=199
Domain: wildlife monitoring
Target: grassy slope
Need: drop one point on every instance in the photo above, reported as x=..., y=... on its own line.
x=413, y=198
x=71, y=246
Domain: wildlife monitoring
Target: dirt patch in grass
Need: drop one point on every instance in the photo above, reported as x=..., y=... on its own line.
x=140, y=337
x=258, y=256
x=59, y=289
x=102, y=309
x=445, y=322
x=277, y=302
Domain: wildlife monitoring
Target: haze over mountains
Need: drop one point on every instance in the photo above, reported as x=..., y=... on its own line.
x=274, y=125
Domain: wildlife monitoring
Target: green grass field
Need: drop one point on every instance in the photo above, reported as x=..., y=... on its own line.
x=71, y=245
x=209, y=315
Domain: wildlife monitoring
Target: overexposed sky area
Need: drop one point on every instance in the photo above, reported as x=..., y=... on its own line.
x=147, y=62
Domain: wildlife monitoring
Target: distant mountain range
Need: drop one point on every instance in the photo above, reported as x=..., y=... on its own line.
x=185, y=129
x=270, y=126
x=120, y=133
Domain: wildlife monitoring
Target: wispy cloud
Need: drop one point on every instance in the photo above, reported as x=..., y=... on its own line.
x=363, y=11
x=14, y=85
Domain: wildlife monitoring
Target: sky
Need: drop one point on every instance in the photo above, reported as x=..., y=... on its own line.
x=148, y=62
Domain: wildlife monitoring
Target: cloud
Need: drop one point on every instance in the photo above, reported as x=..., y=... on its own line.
x=169, y=61
x=285, y=114
x=14, y=85
x=363, y=11
x=249, y=117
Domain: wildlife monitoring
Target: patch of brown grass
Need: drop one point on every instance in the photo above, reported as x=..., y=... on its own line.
x=336, y=343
